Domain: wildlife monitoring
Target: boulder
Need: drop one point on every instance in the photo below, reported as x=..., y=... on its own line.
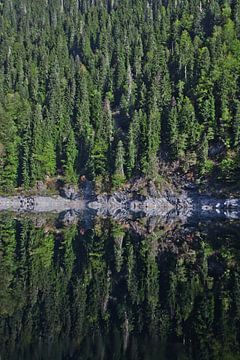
x=70, y=192
x=152, y=190
x=232, y=203
x=190, y=186
x=41, y=186
x=69, y=217
x=217, y=149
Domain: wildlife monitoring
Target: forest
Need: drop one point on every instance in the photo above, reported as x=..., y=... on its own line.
x=114, y=89
x=106, y=292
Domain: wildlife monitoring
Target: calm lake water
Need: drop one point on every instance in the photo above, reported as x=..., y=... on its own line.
x=149, y=289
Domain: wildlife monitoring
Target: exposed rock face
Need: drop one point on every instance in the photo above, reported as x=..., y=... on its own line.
x=232, y=204
x=41, y=186
x=69, y=217
x=39, y=204
x=87, y=189
x=217, y=149
x=127, y=204
x=121, y=204
x=210, y=203
x=70, y=192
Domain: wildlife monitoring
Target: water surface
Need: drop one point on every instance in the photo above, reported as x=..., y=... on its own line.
x=99, y=289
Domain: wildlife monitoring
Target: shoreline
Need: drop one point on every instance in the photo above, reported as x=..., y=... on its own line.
x=40, y=204
x=124, y=205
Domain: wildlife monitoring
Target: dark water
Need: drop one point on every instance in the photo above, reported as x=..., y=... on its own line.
x=144, y=290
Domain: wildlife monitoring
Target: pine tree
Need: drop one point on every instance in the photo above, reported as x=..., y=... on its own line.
x=94, y=67
x=134, y=143
x=9, y=142
x=119, y=175
x=49, y=158
x=82, y=125
x=154, y=137
x=202, y=153
x=70, y=156
x=37, y=146
x=188, y=127
x=172, y=131
x=25, y=157
x=236, y=126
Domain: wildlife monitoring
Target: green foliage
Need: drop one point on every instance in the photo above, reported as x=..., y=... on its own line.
x=119, y=175
x=49, y=159
x=71, y=283
x=202, y=155
x=160, y=77
x=236, y=126
x=9, y=142
x=67, y=283
x=229, y=168
x=208, y=167
x=70, y=152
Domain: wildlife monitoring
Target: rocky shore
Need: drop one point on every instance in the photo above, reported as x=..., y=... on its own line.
x=40, y=204
x=187, y=204
x=128, y=204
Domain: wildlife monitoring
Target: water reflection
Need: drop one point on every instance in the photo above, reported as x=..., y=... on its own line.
x=103, y=290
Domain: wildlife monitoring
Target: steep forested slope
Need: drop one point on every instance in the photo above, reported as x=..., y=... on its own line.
x=111, y=89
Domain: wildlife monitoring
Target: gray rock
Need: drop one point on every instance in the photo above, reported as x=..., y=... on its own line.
x=40, y=186
x=69, y=217
x=70, y=192
x=125, y=204
x=190, y=186
x=87, y=189
x=40, y=204
x=152, y=190
x=232, y=203
x=217, y=149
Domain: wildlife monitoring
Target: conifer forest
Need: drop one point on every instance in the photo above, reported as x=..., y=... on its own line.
x=119, y=179
x=112, y=89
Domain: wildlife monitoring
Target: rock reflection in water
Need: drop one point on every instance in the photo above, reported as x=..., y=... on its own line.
x=99, y=289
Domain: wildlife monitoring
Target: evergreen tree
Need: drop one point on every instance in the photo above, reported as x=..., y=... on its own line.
x=87, y=74
x=70, y=156
x=172, y=131
x=119, y=175
x=9, y=142
x=133, y=141
x=236, y=126
x=37, y=146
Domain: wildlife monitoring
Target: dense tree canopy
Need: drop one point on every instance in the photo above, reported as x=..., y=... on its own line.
x=109, y=292
x=107, y=88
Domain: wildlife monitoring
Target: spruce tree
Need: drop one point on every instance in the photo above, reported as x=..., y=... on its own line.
x=81, y=73
x=236, y=126
x=9, y=142
x=70, y=156
x=119, y=175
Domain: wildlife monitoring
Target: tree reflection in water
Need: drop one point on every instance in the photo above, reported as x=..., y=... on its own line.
x=172, y=292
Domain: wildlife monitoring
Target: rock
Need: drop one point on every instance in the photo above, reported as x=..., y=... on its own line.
x=70, y=192
x=216, y=266
x=40, y=222
x=232, y=203
x=39, y=204
x=190, y=186
x=124, y=204
x=232, y=215
x=217, y=149
x=26, y=203
x=40, y=186
x=87, y=189
x=69, y=217
x=207, y=207
x=152, y=190
x=135, y=206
